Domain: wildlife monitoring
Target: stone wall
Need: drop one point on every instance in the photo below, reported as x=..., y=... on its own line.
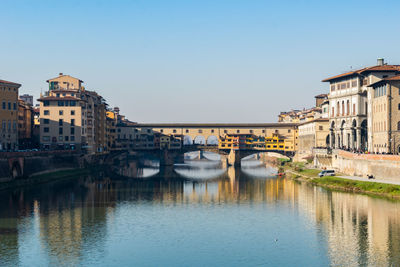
x=385, y=167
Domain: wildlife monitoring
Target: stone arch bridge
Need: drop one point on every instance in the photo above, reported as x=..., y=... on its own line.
x=232, y=157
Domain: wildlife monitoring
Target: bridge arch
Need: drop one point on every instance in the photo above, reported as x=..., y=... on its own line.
x=187, y=140
x=199, y=140
x=212, y=140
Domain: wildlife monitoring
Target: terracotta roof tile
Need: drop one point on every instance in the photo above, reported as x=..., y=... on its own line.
x=365, y=70
x=10, y=83
x=393, y=78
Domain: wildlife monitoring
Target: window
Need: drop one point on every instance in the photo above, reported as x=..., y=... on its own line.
x=276, y=131
x=46, y=138
x=46, y=121
x=72, y=131
x=332, y=87
x=398, y=126
x=174, y=131
x=238, y=131
x=9, y=105
x=73, y=104
x=60, y=103
x=200, y=131
x=160, y=130
x=263, y=131
x=60, y=131
x=72, y=112
x=354, y=109
x=72, y=138
x=342, y=108
x=60, y=112
x=60, y=138
x=348, y=107
x=251, y=131
x=15, y=106
x=289, y=130
x=212, y=131
x=72, y=122
x=46, y=112
x=66, y=138
x=225, y=131
x=187, y=131
x=60, y=122
x=46, y=103
x=321, y=128
x=46, y=129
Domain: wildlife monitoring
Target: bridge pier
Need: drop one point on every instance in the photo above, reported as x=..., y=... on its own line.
x=169, y=157
x=234, y=158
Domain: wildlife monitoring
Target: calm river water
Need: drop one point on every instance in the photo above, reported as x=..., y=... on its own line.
x=195, y=214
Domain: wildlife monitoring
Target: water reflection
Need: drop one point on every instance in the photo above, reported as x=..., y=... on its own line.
x=83, y=221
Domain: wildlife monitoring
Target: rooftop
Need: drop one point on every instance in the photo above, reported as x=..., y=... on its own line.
x=9, y=83
x=377, y=68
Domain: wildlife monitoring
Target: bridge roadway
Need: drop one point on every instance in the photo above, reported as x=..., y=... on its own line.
x=231, y=156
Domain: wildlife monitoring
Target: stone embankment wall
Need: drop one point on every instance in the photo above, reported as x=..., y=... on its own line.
x=380, y=166
x=25, y=165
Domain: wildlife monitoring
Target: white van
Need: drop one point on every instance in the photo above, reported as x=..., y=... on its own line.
x=327, y=173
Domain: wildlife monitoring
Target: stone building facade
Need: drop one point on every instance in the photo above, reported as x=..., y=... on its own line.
x=72, y=117
x=9, y=115
x=385, y=117
x=349, y=107
x=313, y=134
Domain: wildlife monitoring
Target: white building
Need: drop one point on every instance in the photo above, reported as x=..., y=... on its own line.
x=349, y=111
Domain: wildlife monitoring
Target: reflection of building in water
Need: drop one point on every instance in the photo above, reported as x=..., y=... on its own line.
x=70, y=226
x=359, y=229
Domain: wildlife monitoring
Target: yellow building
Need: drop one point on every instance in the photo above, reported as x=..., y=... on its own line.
x=276, y=142
x=111, y=125
x=9, y=115
x=72, y=117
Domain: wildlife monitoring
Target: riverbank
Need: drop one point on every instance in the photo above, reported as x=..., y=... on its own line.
x=298, y=171
x=43, y=178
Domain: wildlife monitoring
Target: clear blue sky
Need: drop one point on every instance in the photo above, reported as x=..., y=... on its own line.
x=196, y=61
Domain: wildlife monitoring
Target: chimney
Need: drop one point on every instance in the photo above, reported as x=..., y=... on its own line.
x=61, y=74
x=380, y=61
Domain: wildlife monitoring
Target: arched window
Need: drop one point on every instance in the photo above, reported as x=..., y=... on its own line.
x=338, y=108
x=333, y=111
x=348, y=107
x=342, y=108
x=398, y=126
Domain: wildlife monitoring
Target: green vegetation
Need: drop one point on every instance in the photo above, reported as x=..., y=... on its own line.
x=359, y=186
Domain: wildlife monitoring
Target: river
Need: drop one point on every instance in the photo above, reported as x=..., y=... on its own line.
x=195, y=214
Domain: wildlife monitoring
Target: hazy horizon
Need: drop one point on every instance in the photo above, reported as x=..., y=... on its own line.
x=196, y=61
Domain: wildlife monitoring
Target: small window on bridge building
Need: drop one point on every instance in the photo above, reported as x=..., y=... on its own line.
x=289, y=131
x=212, y=131
x=238, y=131
x=225, y=131
x=263, y=131
x=187, y=131
x=174, y=131
x=200, y=131
x=161, y=131
x=251, y=131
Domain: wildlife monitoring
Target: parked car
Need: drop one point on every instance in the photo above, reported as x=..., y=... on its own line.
x=327, y=173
